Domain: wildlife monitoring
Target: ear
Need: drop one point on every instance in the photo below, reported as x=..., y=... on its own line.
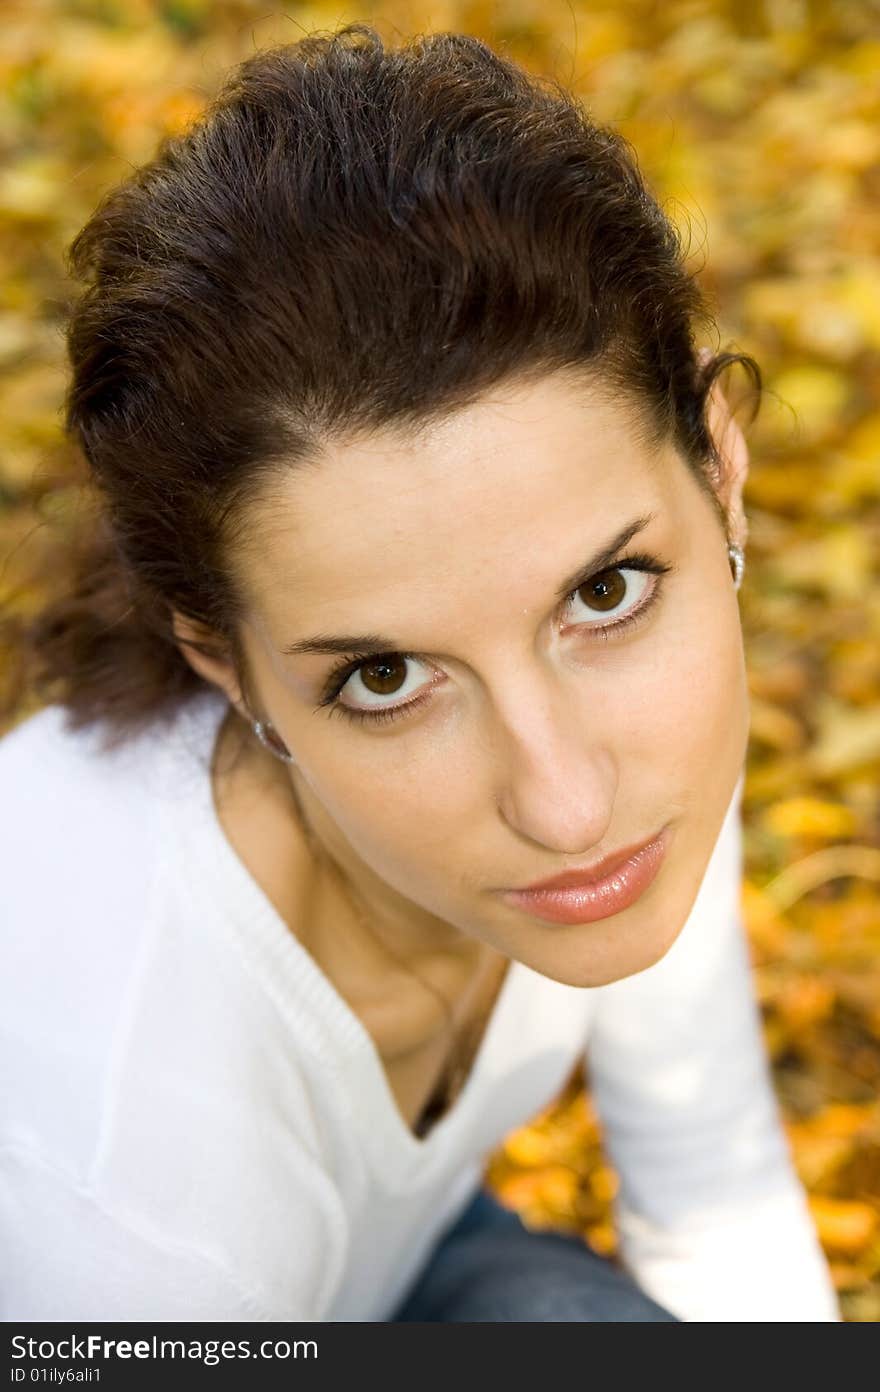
x=734, y=455
x=216, y=669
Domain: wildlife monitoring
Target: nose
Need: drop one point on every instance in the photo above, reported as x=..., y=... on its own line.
x=557, y=779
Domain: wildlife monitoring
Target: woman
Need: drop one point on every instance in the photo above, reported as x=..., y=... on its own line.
x=410, y=583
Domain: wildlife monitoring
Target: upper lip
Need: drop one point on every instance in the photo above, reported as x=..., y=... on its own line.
x=590, y=874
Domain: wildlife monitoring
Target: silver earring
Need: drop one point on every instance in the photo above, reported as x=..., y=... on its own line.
x=737, y=564
x=265, y=733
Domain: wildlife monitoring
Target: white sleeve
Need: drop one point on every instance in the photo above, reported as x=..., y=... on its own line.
x=67, y=1256
x=712, y=1218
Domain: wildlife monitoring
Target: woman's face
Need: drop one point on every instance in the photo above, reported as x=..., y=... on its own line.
x=530, y=734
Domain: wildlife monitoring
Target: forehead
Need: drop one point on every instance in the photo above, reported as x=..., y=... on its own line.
x=525, y=479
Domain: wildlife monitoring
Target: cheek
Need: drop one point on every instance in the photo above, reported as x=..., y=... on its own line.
x=698, y=717
x=407, y=824
x=691, y=711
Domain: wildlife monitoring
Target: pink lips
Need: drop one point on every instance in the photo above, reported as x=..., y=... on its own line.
x=575, y=897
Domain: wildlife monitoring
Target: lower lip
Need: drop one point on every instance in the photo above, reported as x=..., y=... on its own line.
x=601, y=899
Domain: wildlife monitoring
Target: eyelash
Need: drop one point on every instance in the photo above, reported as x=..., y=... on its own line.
x=352, y=661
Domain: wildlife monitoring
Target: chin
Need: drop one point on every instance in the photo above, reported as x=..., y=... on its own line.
x=593, y=958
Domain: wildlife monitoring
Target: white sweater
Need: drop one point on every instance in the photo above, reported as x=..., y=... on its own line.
x=196, y=1126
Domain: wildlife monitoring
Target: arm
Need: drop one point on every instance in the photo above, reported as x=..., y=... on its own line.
x=712, y=1218
x=67, y=1255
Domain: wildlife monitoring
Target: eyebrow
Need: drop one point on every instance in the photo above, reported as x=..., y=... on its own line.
x=375, y=644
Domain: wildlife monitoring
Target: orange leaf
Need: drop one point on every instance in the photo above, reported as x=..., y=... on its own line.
x=843, y=1225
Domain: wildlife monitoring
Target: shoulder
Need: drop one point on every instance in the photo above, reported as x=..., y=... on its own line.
x=68, y=804
x=79, y=851
x=45, y=747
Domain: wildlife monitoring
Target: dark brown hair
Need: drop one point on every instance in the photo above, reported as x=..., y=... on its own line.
x=350, y=237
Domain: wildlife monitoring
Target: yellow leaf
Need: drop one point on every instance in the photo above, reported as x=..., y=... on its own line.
x=859, y=293
x=178, y=110
x=803, y=1001
x=818, y=1158
x=854, y=469
x=847, y=737
x=843, y=1225
x=840, y=562
x=604, y=1184
x=602, y=1237
x=30, y=189
x=528, y=1147
x=803, y=404
x=845, y=1119
x=809, y=816
x=775, y=726
x=766, y=927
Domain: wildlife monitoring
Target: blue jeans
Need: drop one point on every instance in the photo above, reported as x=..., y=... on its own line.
x=490, y=1266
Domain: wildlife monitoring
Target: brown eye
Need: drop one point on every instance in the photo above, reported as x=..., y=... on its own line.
x=605, y=591
x=619, y=593
x=383, y=676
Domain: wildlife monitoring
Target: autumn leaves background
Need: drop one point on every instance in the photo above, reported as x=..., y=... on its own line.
x=757, y=122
